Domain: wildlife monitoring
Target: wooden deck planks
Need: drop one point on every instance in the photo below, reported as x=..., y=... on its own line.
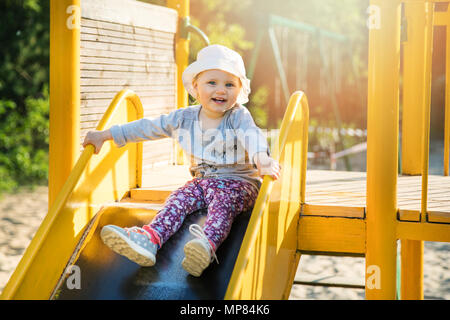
x=327, y=191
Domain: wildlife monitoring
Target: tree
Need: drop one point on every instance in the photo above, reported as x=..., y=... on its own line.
x=24, y=103
x=235, y=23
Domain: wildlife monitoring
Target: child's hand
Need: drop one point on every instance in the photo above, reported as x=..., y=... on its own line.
x=267, y=166
x=97, y=138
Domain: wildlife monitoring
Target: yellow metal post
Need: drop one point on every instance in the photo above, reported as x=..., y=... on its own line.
x=447, y=99
x=416, y=114
x=182, y=59
x=411, y=270
x=413, y=88
x=382, y=148
x=64, y=92
x=429, y=9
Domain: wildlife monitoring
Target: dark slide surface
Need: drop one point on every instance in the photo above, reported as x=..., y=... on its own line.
x=112, y=276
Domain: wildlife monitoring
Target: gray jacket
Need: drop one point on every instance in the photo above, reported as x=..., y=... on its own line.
x=225, y=152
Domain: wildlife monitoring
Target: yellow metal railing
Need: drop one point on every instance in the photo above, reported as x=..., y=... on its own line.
x=416, y=122
x=426, y=108
x=182, y=59
x=420, y=18
x=25, y=283
x=268, y=259
x=443, y=19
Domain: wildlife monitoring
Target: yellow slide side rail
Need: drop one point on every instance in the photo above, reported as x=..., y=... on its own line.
x=92, y=182
x=268, y=258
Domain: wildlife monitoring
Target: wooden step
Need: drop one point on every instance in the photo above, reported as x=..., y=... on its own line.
x=150, y=195
x=165, y=177
x=139, y=204
x=160, y=181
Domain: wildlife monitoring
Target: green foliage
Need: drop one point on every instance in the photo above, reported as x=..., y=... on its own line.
x=215, y=18
x=24, y=143
x=24, y=97
x=257, y=105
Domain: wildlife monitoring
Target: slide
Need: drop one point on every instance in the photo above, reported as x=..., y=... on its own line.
x=104, y=274
x=67, y=259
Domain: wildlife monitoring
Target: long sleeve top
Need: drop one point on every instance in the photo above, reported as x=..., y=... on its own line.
x=226, y=152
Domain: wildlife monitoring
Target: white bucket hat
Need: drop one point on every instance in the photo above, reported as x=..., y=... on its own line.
x=218, y=57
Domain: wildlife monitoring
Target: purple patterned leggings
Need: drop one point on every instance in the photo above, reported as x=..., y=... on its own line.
x=224, y=199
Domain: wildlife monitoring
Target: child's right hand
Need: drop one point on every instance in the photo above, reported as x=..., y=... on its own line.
x=97, y=138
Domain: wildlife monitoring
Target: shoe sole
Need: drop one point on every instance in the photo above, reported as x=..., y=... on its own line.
x=197, y=258
x=123, y=246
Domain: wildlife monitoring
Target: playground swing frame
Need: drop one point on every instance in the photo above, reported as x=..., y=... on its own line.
x=268, y=26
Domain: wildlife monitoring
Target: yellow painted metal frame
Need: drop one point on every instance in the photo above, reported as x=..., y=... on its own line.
x=268, y=258
x=94, y=181
x=332, y=235
x=382, y=149
x=447, y=103
x=414, y=77
x=382, y=228
x=439, y=232
x=182, y=59
x=416, y=114
x=443, y=19
x=64, y=144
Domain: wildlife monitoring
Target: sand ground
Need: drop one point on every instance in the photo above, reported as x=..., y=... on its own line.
x=22, y=213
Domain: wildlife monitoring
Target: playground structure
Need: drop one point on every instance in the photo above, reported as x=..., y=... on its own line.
x=101, y=50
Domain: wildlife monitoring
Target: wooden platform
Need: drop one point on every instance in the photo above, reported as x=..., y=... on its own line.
x=343, y=193
x=329, y=193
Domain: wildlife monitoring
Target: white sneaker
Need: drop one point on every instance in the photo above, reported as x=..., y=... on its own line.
x=198, y=252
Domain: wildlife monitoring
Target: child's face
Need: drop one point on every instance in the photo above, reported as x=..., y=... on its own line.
x=217, y=91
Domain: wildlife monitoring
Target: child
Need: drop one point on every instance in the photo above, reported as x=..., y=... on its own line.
x=223, y=143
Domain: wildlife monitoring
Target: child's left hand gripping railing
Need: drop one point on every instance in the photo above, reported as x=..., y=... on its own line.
x=90, y=183
x=268, y=258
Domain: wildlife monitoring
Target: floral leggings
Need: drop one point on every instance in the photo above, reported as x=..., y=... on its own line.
x=224, y=199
